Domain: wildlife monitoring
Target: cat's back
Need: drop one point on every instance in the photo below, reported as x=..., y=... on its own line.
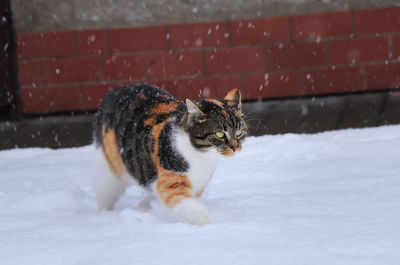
x=127, y=105
x=142, y=93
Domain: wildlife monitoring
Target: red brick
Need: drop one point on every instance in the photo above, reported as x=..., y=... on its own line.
x=29, y=45
x=359, y=50
x=29, y=73
x=396, y=47
x=46, y=44
x=209, y=87
x=123, y=67
x=247, y=59
x=93, y=94
x=92, y=42
x=378, y=20
x=262, y=30
x=272, y=85
x=317, y=26
x=59, y=43
x=70, y=70
x=383, y=76
x=51, y=99
x=212, y=34
x=295, y=55
x=172, y=86
x=138, y=39
x=338, y=80
x=173, y=64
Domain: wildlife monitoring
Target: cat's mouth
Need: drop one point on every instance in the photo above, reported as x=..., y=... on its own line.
x=229, y=151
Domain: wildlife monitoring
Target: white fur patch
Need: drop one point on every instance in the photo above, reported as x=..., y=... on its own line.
x=193, y=211
x=201, y=164
x=108, y=188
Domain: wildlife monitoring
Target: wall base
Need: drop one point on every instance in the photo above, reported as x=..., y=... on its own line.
x=300, y=115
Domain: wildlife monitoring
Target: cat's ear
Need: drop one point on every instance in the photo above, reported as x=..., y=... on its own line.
x=193, y=109
x=234, y=98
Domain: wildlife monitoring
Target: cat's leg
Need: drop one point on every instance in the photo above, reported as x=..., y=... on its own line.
x=146, y=201
x=108, y=188
x=192, y=210
x=174, y=190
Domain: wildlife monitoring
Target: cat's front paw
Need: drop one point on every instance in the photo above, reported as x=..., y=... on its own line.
x=193, y=211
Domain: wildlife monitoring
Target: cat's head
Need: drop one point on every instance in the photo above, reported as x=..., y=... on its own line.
x=215, y=123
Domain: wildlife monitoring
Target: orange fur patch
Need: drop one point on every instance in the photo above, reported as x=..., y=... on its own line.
x=164, y=108
x=230, y=152
x=142, y=96
x=220, y=104
x=232, y=94
x=112, y=152
x=156, y=135
x=150, y=121
x=216, y=102
x=171, y=186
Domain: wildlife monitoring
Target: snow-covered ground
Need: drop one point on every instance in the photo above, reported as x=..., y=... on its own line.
x=328, y=198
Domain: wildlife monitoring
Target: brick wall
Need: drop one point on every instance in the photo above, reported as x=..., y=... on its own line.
x=340, y=52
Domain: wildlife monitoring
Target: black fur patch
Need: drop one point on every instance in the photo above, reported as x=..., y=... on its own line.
x=169, y=158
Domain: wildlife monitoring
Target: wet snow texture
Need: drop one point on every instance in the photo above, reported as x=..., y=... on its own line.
x=329, y=198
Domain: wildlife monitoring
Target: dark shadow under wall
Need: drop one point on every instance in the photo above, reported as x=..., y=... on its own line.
x=300, y=115
x=316, y=114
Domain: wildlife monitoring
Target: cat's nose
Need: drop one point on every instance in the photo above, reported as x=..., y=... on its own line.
x=234, y=145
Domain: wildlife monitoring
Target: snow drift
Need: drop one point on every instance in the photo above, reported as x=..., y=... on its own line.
x=328, y=198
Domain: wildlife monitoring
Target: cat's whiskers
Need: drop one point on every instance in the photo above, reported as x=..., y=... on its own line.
x=249, y=113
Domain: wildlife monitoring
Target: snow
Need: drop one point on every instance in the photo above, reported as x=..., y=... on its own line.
x=328, y=198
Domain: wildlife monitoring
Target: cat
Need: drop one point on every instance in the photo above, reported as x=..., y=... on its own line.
x=144, y=136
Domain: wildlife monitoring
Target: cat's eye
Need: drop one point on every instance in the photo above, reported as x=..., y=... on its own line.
x=238, y=133
x=220, y=135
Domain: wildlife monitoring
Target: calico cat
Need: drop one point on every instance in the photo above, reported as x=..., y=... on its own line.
x=144, y=136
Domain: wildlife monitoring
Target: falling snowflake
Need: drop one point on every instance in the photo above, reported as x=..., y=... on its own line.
x=251, y=25
x=91, y=39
